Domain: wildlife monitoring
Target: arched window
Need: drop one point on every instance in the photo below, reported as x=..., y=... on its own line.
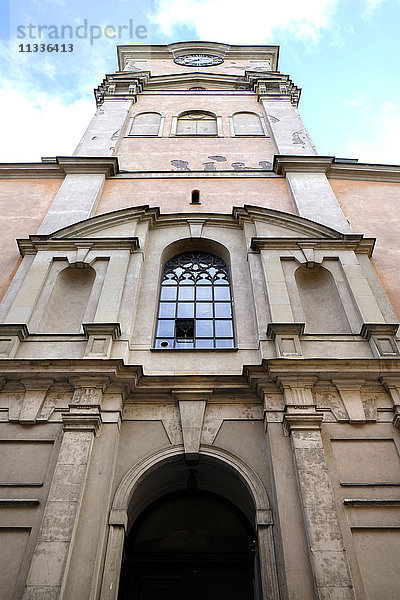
x=146, y=124
x=197, y=123
x=195, y=309
x=247, y=123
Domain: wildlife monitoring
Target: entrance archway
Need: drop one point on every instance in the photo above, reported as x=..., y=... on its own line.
x=218, y=478
x=190, y=544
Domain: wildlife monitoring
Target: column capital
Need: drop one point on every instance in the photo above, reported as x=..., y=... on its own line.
x=297, y=391
x=82, y=421
x=302, y=418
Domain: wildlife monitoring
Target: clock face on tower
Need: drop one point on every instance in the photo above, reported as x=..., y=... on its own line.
x=198, y=60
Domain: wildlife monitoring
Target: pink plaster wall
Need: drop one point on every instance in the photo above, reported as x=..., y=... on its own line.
x=216, y=195
x=373, y=209
x=152, y=154
x=23, y=205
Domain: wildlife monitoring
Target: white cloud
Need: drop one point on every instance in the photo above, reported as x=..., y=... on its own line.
x=252, y=22
x=379, y=143
x=40, y=125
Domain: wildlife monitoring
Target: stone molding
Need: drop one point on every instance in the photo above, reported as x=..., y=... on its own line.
x=356, y=243
x=83, y=421
x=19, y=330
x=112, y=329
x=334, y=168
x=44, y=243
x=381, y=339
x=60, y=166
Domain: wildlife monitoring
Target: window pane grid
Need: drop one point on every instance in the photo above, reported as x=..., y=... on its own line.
x=195, y=309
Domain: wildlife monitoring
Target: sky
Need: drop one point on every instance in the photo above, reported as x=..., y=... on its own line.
x=344, y=54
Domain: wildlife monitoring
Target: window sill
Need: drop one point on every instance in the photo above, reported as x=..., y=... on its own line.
x=194, y=349
x=155, y=135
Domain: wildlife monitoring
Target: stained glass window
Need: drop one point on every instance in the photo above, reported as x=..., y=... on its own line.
x=195, y=308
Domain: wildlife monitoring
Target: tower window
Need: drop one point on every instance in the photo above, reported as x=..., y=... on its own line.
x=196, y=123
x=146, y=124
x=195, y=308
x=247, y=124
x=195, y=197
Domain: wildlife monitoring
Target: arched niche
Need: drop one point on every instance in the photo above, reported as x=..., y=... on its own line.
x=322, y=307
x=219, y=476
x=68, y=301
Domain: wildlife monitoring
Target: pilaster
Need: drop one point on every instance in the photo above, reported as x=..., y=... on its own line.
x=52, y=554
x=83, y=580
x=328, y=557
x=287, y=129
x=310, y=189
x=105, y=128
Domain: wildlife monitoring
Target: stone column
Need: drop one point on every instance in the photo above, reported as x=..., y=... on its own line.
x=51, y=557
x=332, y=576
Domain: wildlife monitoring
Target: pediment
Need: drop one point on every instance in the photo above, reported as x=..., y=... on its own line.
x=118, y=229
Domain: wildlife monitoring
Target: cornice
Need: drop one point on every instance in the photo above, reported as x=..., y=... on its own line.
x=12, y=329
x=273, y=86
x=121, y=86
x=111, y=370
x=335, y=168
x=195, y=174
x=104, y=165
x=364, y=171
x=356, y=243
x=31, y=170
x=331, y=368
x=284, y=163
x=58, y=167
x=113, y=329
x=35, y=243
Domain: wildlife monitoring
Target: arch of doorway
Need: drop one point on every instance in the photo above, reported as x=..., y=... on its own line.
x=125, y=494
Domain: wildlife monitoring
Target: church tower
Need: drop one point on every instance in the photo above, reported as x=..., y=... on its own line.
x=200, y=374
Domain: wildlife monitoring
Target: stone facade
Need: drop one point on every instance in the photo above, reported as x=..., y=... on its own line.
x=288, y=427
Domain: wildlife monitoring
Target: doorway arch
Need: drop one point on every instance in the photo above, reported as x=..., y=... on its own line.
x=165, y=472
x=190, y=544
